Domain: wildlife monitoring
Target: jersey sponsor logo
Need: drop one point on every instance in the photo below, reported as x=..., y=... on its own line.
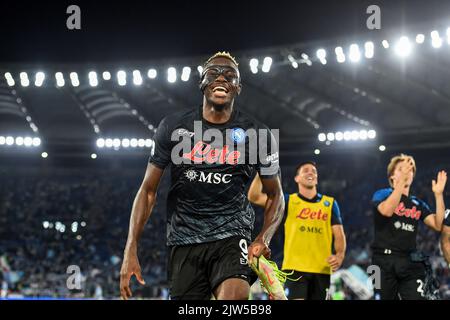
x=307, y=213
x=404, y=226
x=237, y=135
x=202, y=152
x=402, y=211
x=210, y=177
x=311, y=229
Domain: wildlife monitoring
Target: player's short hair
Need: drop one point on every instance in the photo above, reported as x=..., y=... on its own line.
x=304, y=163
x=393, y=164
x=221, y=54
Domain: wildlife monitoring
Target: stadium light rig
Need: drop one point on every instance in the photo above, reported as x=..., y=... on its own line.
x=124, y=143
x=354, y=135
x=20, y=141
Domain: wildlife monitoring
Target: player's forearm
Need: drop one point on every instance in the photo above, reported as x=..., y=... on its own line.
x=387, y=207
x=273, y=215
x=140, y=213
x=340, y=245
x=440, y=211
x=445, y=245
x=255, y=194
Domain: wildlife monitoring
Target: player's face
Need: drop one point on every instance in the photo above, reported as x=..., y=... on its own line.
x=397, y=174
x=221, y=81
x=307, y=176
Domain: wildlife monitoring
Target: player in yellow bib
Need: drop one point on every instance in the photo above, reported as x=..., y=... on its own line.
x=312, y=227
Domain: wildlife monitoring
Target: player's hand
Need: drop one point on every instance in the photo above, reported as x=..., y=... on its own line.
x=335, y=261
x=405, y=167
x=439, y=185
x=130, y=266
x=258, y=248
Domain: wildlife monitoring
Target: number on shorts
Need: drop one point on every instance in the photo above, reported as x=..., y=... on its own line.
x=244, y=248
x=420, y=287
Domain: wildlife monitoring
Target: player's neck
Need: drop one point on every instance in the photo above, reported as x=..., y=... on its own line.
x=406, y=191
x=308, y=193
x=216, y=114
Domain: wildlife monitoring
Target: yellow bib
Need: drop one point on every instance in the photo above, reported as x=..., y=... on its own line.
x=307, y=235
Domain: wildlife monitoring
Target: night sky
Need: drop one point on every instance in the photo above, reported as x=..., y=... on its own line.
x=35, y=32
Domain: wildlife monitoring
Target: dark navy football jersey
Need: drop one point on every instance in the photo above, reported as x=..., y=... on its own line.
x=398, y=232
x=209, y=174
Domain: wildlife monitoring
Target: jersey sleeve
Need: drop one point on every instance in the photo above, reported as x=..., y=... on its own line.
x=335, y=214
x=447, y=218
x=380, y=196
x=424, y=208
x=162, y=151
x=268, y=154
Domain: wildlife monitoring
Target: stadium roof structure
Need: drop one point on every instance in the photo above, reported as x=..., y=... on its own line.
x=404, y=97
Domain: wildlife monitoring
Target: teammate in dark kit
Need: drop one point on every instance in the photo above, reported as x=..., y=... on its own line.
x=210, y=219
x=445, y=237
x=405, y=272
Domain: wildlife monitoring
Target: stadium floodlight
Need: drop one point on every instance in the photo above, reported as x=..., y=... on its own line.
x=171, y=75
x=121, y=78
x=108, y=143
x=385, y=44
x=354, y=135
x=267, y=63
x=322, y=137
x=19, y=141
x=116, y=143
x=294, y=63
x=369, y=49
x=340, y=56
x=148, y=143
x=321, y=53
x=200, y=70
x=59, y=79
x=436, y=40
x=254, y=65
x=28, y=141
x=339, y=136
x=354, y=53
x=347, y=135
x=2, y=140
x=185, y=74
x=330, y=136
x=106, y=75
x=44, y=154
x=317, y=151
x=74, y=79
x=363, y=134
x=9, y=141
x=100, y=142
x=134, y=143
x=371, y=134
x=93, y=156
x=420, y=38
x=125, y=143
x=152, y=73
x=382, y=148
x=403, y=47
x=93, y=81
x=39, y=79
x=9, y=79
x=36, y=142
x=24, y=81
x=141, y=143
x=137, y=78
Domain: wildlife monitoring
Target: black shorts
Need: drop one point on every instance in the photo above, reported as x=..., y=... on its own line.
x=400, y=278
x=194, y=271
x=311, y=286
